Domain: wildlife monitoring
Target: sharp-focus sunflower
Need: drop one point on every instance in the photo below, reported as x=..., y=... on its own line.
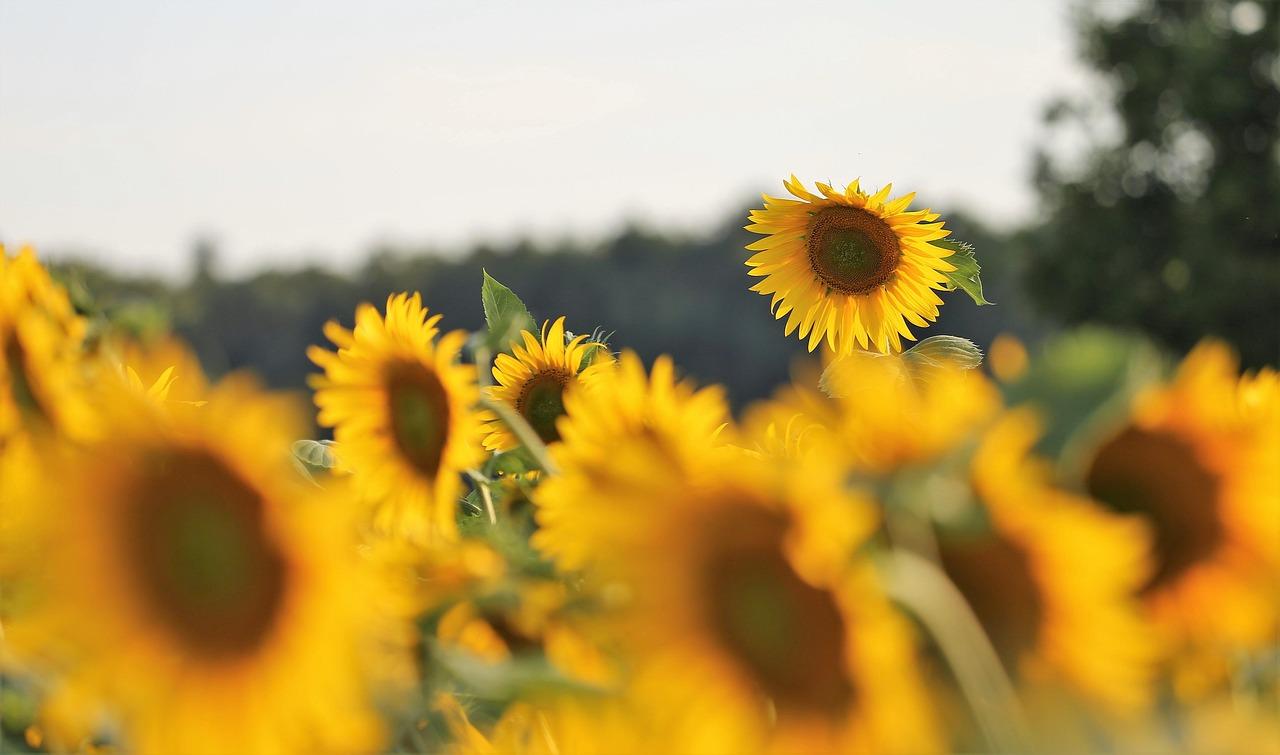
x=403, y=413
x=750, y=624
x=674, y=425
x=1197, y=460
x=1052, y=579
x=40, y=352
x=533, y=380
x=848, y=267
x=196, y=595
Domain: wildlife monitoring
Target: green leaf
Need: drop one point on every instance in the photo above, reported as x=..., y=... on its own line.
x=504, y=313
x=966, y=275
x=516, y=461
x=943, y=351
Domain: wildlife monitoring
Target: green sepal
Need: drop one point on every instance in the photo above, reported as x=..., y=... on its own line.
x=309, y=455
x=944, y=351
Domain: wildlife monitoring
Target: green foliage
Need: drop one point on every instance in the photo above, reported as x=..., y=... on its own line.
x=504, y=313
x=1168, y=223
x=1080, y=381
x=966, y=276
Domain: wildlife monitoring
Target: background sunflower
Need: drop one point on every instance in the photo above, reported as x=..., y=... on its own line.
x=847, y=267
x=403, y=413
x=534, y=377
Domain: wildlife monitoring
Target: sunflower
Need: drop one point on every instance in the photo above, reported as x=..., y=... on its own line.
x=1052, y=577
x=40, y=352
x=674, y=424
x=403, y=413
x=163, y=367
x=197, y=595
x=751, y=625
x=533, y=380
x=548, y=725
x=1196, y=459
x=849, y=267
x=879, y=415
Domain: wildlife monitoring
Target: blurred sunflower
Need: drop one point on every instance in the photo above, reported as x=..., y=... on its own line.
x=1197, y=460
x=744, y=608
x=879, y=414
x=1052, y=578
x=533, y=380
x=403, y=413
x=163, y=367
x=197, y=596
x=40, y=352
x=673, y=424
x=548, y=725
x=848, y=267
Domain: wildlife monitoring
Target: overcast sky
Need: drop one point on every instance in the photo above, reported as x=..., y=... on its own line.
x=311, y=130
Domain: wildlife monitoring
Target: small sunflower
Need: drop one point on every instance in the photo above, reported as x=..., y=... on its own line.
x=848, y=267
x=403, y=413
x=751, y=626
x=533, y=380
x=196, y=595
x=41, y=361
x=1052, y=579
x=1197, y=460
x=674, y=424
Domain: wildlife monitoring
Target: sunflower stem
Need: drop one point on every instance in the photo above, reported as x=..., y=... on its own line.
x=925, y=589
x=523, y=432
x=484, y=374
x=487, y=497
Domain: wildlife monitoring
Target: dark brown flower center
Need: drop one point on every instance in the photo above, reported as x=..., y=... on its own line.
x=788, y=635
x=1159, y=477
x=418, y=407
x=851, y=250
x=541, y=402
x=20, y=388
x=994, y=575
x=202, y=554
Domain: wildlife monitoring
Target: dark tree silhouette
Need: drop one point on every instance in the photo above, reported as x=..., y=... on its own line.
x=1171, y=225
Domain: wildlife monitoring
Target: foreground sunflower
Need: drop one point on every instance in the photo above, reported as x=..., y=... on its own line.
x=198, y=597
x=403, y=413
x=40, y=352
x=533, y=379
x=1052, y=578
x=848, y=267
x=750, y=625
x=675, y=425
x=1196, y=460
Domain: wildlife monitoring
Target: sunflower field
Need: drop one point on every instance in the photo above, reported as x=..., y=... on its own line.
x=527, y=540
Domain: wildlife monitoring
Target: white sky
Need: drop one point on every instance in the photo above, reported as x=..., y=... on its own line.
x=310, y=130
